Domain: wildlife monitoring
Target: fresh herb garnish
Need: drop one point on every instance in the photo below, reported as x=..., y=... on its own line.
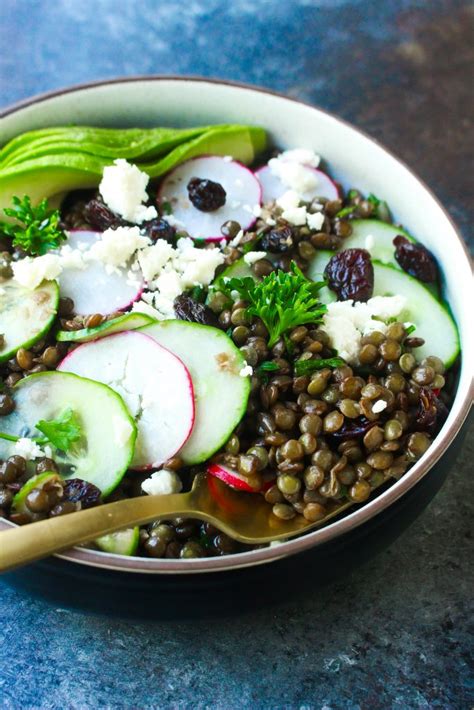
x=281, y=300
x=38, y=231
x=381, y=210
x=263, y=370
x=198, y=293
x=62, y=432
x=374, y=200
x=306, y=367
x=166, y=208
x=411, y=328
x=229, y=332
x=346, y=211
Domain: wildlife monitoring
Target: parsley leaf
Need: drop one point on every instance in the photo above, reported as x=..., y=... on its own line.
x=62, y=432
x=306, y=367
x=345, y=211
x=38, y=231
x=411, y=328
x=281, y=300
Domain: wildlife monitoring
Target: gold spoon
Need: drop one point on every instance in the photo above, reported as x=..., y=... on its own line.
x=245, y=517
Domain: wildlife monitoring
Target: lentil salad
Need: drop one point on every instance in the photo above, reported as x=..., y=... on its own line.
x=334, y=396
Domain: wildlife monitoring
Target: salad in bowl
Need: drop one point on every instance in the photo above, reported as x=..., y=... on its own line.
x=178, y=301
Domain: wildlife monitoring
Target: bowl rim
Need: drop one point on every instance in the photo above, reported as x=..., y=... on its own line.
x=318, y=536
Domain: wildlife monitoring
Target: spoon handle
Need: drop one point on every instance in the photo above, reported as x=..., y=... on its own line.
x=31, y=542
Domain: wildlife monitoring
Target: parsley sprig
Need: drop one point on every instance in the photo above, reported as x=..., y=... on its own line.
x=282, y=300
x=62, y=432
x=36, y=229
x=307, y=367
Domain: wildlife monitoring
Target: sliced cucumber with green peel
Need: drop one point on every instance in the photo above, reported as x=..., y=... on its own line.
x=19, y=504
x=129, y=321
x=109, y=432
x=431, y=317
x=220, y=392
x=377, y=237
x=25, y=315
x=123, y=542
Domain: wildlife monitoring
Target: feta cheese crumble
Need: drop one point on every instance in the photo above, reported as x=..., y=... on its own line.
x=315, y=221
x=123, y=189
x=305, y=156
x=346, y=321
x=295, y=215
x=252, y=256
x=161, y=483
x=289, y=199
x=116, y=246
x=246, y=371
x=28, y=449
x=30, y=272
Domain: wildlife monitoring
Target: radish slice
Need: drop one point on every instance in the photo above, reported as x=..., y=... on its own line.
x=243, y=196
x=273, y=188
x=154, y=384
x=231, y=477
x=92, y=289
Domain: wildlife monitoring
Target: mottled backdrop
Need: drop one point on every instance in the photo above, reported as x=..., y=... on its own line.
x=397, y=633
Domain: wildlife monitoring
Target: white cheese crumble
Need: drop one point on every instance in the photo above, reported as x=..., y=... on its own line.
x=152, y=259
x=30, y=272
x=161, y=483
x=237, y=239
x=122, y=431
x=295, y=215
x=252, y=256
x=315, y=221
x=305, y=156
x=289, y=199
x=346, y=321
x=379, y=406
x=116, y=246
x=246, y=371
x=123, y=189
x=28, y=449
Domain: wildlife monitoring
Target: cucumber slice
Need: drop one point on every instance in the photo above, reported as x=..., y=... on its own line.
x=381, y=245
x=123, y=542
x=25, y=315
x=432, y=318
x=129, y=321
x=106, y=453
x=38, y=481
x=221, y=394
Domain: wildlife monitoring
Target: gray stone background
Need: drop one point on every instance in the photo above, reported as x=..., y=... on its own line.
x=397, y=633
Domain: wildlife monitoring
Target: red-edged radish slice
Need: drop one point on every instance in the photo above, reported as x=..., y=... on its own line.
x=92, y=289
x=273, y=188
x=243, y=195
x=234, y=479
x=154, y=384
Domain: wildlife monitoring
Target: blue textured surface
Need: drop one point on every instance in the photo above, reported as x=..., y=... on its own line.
x=396, y=634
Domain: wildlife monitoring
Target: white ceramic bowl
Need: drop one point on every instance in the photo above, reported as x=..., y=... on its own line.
x=354, y=159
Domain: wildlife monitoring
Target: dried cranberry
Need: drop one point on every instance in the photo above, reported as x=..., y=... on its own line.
x=206, y=195
x=432, y=411
x=351, y=275
x=78, y=491
x=159, y=229
x=100, y=217
x=186, y=308
x=354, y=429
x=278, y=241
x=415, y=259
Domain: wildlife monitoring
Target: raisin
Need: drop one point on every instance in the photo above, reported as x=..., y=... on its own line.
x=415, y=259
x=78, y=491
x=100, y=217
x=278, y=241
x=206, y=195
x=432, y=412
x=159, y=229
x=353, y=429
x=351, y=275
x=186, y=308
